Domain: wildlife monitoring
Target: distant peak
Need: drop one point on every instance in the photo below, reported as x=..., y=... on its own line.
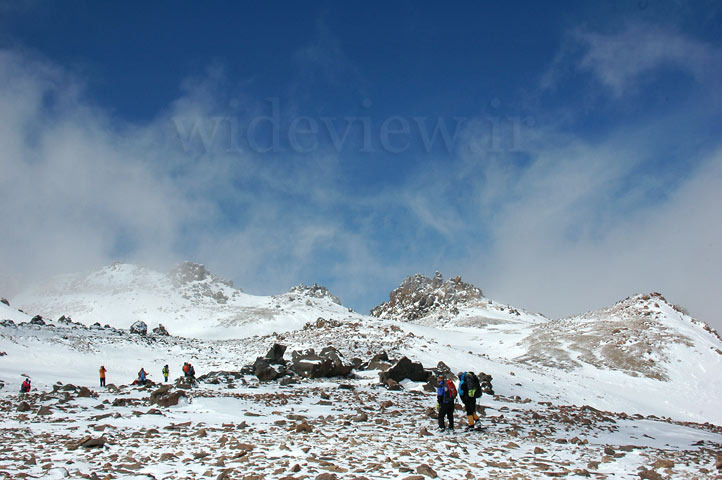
x=189, y=272
x=316, y=291
x=418, y=295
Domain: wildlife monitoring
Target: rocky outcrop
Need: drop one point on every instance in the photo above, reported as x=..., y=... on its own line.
x=419, y=295
x=37, y=320
x=5, y=301
x=196, y=281
x=139, y=328
x=315, y=291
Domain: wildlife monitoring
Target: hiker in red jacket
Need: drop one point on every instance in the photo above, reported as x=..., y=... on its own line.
x=25, y=387
x=446, y=400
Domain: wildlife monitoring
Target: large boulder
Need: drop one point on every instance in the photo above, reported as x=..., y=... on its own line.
x=139, y=328
x=275, y=354
x=403, y=369
x=380, y=361
x=218, y=377
x=164, y=396
x=37, y=320
x=5, y=301
x=267, y=371
x=485, y=383
x=328, y=363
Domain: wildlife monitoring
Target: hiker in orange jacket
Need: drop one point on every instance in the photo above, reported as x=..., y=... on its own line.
x=102, y=375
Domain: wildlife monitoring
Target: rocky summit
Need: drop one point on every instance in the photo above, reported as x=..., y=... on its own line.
x=419, y=295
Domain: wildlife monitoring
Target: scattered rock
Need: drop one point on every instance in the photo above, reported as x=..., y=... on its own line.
x=23, y=407
x=45, y=410
x=424, y=469
x=90, y=442
x=663, y=463
x=650, y=475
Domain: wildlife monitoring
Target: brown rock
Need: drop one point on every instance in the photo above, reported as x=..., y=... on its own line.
x=650, y=475
x=424, y=469
x=24, y=407
x=719, y=461
x=663, y=463
x=539, y=451
x=326, y=476
x=90, y=442
x=45, y=410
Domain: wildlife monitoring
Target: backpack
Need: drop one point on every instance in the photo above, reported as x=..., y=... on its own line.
x=451, y=389
x=472, y=385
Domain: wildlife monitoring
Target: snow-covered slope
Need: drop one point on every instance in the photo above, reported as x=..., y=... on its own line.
x=189, y=301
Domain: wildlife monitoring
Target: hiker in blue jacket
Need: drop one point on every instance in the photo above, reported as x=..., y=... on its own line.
x=469, y=391
x=446, y=399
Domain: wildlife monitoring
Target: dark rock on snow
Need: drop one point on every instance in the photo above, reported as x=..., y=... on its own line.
x=139, y=328
x=405, y=368
x=161, y=331
x=165, y=397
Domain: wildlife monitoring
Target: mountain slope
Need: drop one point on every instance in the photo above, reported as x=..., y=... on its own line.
x=188, y=301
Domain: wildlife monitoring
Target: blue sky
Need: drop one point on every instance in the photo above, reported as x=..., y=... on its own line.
x=281, y=144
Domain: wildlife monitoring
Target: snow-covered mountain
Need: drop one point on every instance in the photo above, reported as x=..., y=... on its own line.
x=625, y=377
x=640, y=352
x=188, y=301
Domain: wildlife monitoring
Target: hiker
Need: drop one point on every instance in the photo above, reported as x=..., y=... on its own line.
x=165, y=372
x=446, y=399
x=189, y=371
x=102, y=375
x=469, y=391
x=142, y=376
x=25, y=387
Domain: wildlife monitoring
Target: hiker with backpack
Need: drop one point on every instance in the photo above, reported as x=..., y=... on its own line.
x=469, y=391
x=25, y=387
x=189, y=372
x=102, y=375
x=445, y=402
x=142, y=376
x=165, y=372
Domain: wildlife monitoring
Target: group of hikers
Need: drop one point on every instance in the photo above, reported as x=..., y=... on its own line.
x=469, y=390
x=188, y=372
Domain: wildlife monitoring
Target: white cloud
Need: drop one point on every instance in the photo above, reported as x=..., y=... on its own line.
x=618, y=60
